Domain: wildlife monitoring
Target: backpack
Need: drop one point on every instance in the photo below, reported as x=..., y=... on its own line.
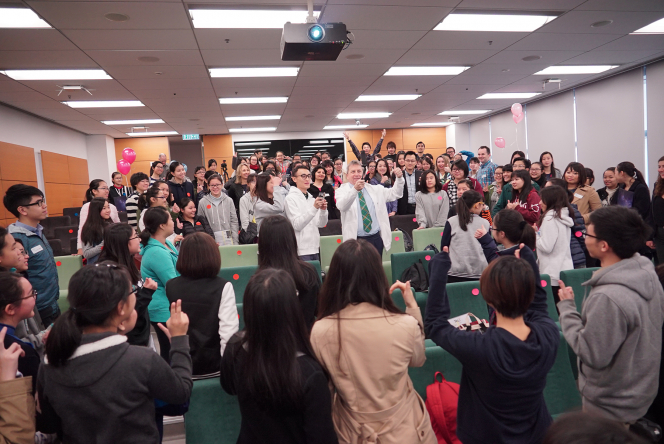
x=407, y=240
x=417, y=276
x=432, y=247
x=441, y=403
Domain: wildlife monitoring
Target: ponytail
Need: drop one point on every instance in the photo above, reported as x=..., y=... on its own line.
x=171, y=169
x=94, y=185
x=629, y=169
x=516, y=229
x=154, y=218
x=94, y=294
x=463, y=206
x=144, y=200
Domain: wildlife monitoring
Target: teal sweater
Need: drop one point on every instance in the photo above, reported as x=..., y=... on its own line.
x=159, y=264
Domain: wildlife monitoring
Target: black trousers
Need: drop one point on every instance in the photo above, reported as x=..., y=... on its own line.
x=376, y=241
x=49, y=316
x=164, y=342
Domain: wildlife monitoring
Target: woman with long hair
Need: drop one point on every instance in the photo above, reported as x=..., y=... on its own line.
x=239, y=187
x=608, y=194
x=88, y=356
x=443, y=168
x=493, y=194
x=121, y=245
x=271, y=198
x=97, y=188
x=401, y=160
x=155, y=196
x=270, y=365
x=577, y=242
x=219, y=213
x=432, y=205
x=356, y=319
x=658, y=211
x=330, y=177
x=549, y=169
x=319, y=186
x=192, y=222
x=92, y=236
x=371, y=171
x=156, y=170
x=635, y=193
x=384, y=177
x=277, y=248
x=585, y=197
x=525, y=199
x=247, y=204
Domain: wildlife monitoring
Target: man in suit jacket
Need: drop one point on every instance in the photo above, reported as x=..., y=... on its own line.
x=411, y=175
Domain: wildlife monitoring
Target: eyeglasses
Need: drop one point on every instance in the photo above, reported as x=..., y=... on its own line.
x=135, y=237
x=133, y=289
x=103, y=188
x=589, y=235
x=304, y=176
x=33, y=294
x=40, y=202
x=215, y=186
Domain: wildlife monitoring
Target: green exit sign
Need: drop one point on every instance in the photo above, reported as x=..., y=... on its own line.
x=190, y=137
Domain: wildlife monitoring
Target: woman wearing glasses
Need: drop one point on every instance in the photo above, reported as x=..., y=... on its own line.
x=97, y=188
x=157, y=197
x=220, y=212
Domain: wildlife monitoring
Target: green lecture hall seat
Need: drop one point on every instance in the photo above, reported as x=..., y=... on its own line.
x=238, y=255
x=574, y=279
x=465, y=297
x=438, y=360
x=550, y=302
x=66, y=266
x=239, y=277
x=398, y=246
x=400, y=262
x=426, y=236
x=561, y=394
x=328, y=245
x=214, y=415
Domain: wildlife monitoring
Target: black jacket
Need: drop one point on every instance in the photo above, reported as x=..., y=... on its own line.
x=332, y=211
x=182, y=190
x=140, y=335
x=28, y=364
x=402, y=203
x=577, y=242
x=200, y=225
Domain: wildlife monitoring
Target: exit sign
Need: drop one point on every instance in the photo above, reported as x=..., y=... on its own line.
x=190, y=137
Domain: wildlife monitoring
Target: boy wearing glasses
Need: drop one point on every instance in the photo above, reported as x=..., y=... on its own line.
x=28, y=204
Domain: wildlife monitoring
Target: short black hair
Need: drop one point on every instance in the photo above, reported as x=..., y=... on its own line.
x=450, y=148
x=391, y=144
x=484, y=147
x=461, y=165
x=474, y=160
x=525, y=161
x=508, y=285
x=410, y=153
x=210, y=162
x=199, y=257
x=620, y=227
x=137, y=177
x=421, y=143
x=298, y=168
x=19, y=195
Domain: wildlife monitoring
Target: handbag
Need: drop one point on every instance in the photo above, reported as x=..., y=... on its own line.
x=250, y=235
x=465, y=323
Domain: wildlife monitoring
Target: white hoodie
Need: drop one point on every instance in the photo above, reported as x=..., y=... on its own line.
x=306, y=220
x=553, y=250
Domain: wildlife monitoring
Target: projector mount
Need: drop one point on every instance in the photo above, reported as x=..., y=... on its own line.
x=310, y=17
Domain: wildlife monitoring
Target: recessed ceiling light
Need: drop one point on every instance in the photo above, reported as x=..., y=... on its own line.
x=574, y=69
x=386, y=98
x=464, y=112
x=318, y=141
x=508, y=95
x=238, y=119
x=505, y=70
x=103, y=103
x=653, y=28
x=237, y=100
x=363, y=115
x=154, y=133
x=253, y=143
x=20, y=18
x=601, y=23
x=337, y=141
x=355, y=56
x=254, y=72
x=131, y=122
x=432, y=124
x=493, y=22
x=531, y=58
x=57, y=74
x=317, y=146
x=116, y=17
x=251, y=130
x=246, y=18
x=349, y=126
x=426, y=70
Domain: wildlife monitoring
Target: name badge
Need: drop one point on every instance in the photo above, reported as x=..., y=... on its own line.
x=578, y=196
x=37, y=249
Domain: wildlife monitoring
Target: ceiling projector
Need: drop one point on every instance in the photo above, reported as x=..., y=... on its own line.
x=313, y=41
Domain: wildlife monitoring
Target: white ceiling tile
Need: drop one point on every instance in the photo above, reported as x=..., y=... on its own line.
x=90, y=15
x=521, y=5
x=149, y=72
x=636, y=43
x=178, y=114
x=394, y=85
x=316, y=113
x=622, y=5
x=580, y=21
x=238, y=38
x=320, y=101
x=327, y=89
x=550, y=41
x=34, y=40
x=458, y=40
x=100, y=89
x=377, y=107
x=462, y=88
x=385, y=39
x=254, y=82
x=133, y=39
x=400, y=18
x=338, y=80
x=169, y=84
x=364, y=69
x=61, y=113
x=498, y=69
x=151, y=127
x=179, y=93
x=445, y=57
x=547, y=57
x=215, y=58
x=130, y=57
x=45, y=59
x=598, y=57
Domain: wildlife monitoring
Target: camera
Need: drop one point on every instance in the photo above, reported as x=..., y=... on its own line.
x=223, y=165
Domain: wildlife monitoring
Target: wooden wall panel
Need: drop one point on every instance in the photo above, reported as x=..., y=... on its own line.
x=78, y=171
x=58, y=196
x=432, y=138
x=394, y=135
x=77, y=195
x=219, y=147
x=18, y=163
x=147, y=150
x=4, y=185
x=55, y=167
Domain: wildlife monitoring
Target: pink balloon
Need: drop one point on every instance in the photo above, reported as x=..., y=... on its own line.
x=517, y=109
x=123, y=166
x=129, y=155
x=517, y=117
x=500, y=142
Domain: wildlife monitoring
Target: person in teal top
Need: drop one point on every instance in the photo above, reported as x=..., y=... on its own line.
x=159, y=259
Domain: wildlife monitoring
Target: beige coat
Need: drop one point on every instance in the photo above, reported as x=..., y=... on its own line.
x=374, y=399
x=587, y=200
x=17, y=411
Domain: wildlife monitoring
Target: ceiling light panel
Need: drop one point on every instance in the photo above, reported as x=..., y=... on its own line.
x=318, y=141
x=386, y=98
x=432, y=124
x=254, y=72
x=131, y=122
x=572, y=69
x=239, y=100
x=653, y=28
x=508, y=95
x=253, y=143
x=251, y=130
x=316, y=146
x=493, y=22
x=241, y=118
x=20, y=18
x=103, y=103
x=426, y=70
x=363, y=115
x=246, y=18
x=336, y=127
x=57, y=74
x=154, y=133
x=464, y=112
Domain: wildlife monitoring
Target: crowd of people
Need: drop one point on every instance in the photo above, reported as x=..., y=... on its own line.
x=328, y=362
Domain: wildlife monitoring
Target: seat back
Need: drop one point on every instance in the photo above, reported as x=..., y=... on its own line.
x=65, y=235
x=426, y=236
x=438, y=360
x=56, y=246
x=213, y=416
x=73, y=214
x=405, y=222
x=574, y=279
x=550, y=301
x=560, y=393
x=238, y=255
x=398, y=246
x=328, y=245
x=122, y=215
x=53, y=222
x=401, y=261
x=239, y=277
x=66, y=266
x=465, y=297
x=316, y=265
x=333, y=228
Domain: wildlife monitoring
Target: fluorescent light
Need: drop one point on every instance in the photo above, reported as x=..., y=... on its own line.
x=254, y=72
x=426, y=70
x=238, y=100
x=154, y=133
x=57, y=74
x=131, y=122
x=493, y=22
x=103, y=103
x=20, y=18
x=464, y=112
x=656, y=27
x=337, y=141
x=246, y=18
x=251, y=130
x=363, y=115
x=386, y=98
x=318, y=141
x=252, y=143
x=432, y=124
x=238, y=119
x=574, y=69
x=316, y=146
x=336, y=127
x=508, y=95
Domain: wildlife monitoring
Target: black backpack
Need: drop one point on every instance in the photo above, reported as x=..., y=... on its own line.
x=432, y=247
x=407, y=240
x=417, y=276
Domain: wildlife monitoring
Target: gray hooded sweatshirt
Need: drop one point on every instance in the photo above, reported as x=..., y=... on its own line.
x=220, y=214
x=618, y=338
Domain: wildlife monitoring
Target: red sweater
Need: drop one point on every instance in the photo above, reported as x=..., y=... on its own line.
x=530, y=210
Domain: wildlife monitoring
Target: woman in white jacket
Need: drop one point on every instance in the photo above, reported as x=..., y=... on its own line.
x=553, y=236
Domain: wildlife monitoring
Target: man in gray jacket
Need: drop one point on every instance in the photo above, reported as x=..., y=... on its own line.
x=618, y=335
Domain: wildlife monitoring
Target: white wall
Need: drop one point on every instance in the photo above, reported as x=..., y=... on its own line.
x=551, y=128
x=655, y=83
x=101, y=156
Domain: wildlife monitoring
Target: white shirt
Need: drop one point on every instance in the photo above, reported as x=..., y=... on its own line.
x=306, y=219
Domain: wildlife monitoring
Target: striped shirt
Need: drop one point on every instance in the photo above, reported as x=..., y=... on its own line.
x=132, y=210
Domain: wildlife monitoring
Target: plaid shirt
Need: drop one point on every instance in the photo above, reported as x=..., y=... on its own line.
x=486, y=173
x=452, y=192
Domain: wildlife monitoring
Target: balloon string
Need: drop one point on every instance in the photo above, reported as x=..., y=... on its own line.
x=516, y=135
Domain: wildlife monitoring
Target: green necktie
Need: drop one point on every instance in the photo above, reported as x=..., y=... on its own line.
x=366, y=216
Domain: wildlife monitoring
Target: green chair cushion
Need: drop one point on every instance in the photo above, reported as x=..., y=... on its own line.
x=401, y=261
x=398, y=246
x=328, y=245
x=465, y=297
x=238, y=255
x=550, y=301
x=316, y=265
x=426, y=236
x=66, y=267
x=561, y=394
x=214, y=415
x=239, y=277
